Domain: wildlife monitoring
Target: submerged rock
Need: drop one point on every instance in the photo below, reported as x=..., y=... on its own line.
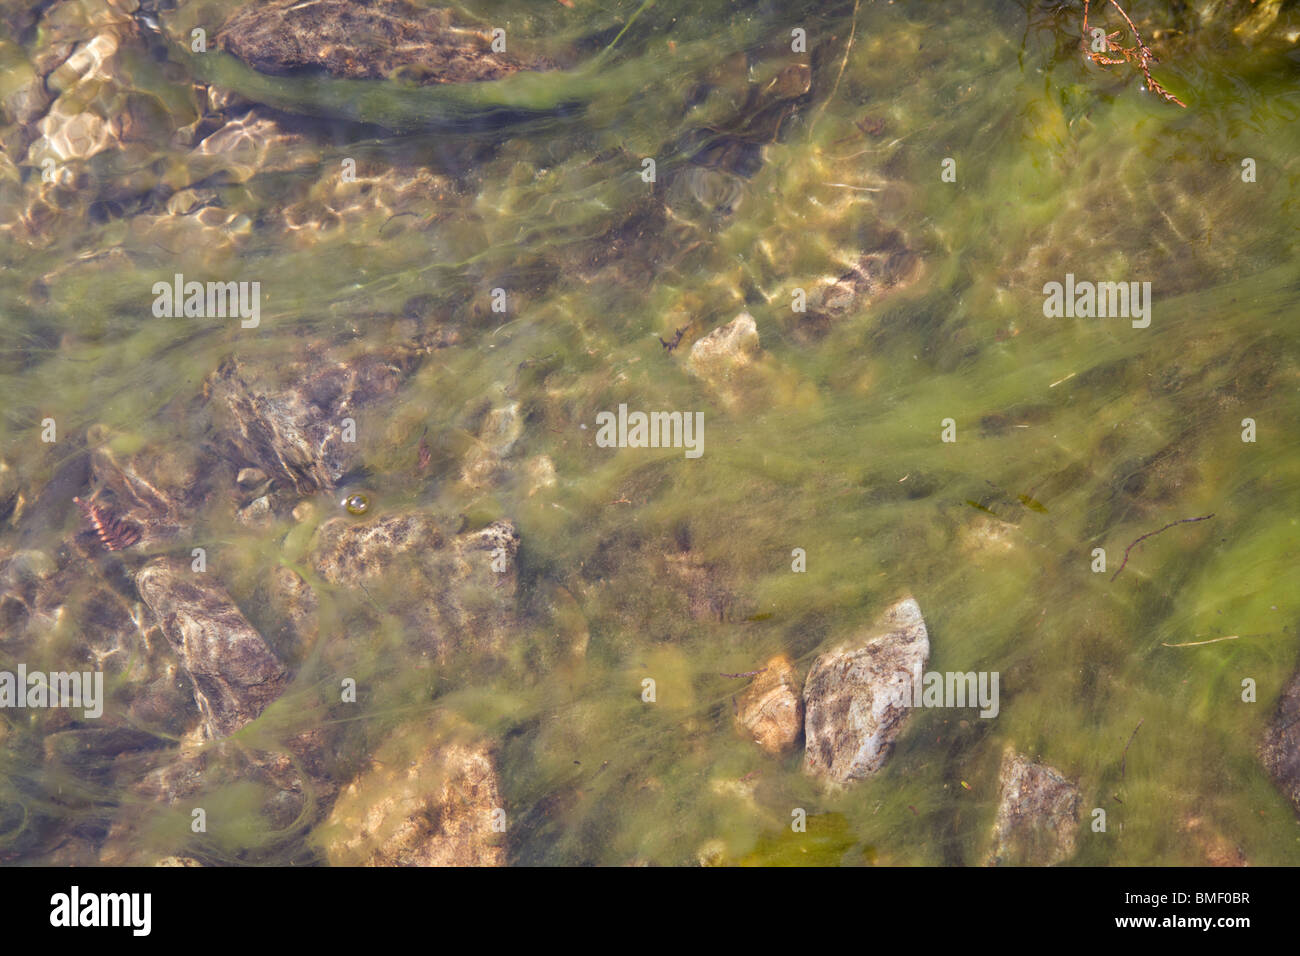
x=857, y=696
x=365, y=39
x=770, y=710
x=1214, y=847
x=726, y=349
x=500, y=429
x=146, y=496
x=235, y=674
x=23, y=97
x=727, y=359
x=288, y=785
x=345, y=552
x=540, y=474
x=434, y=807
x=88, y=751
x=705, y=585
x=11, y=495
x=1038, y=814
x=249, y=145
x=294, y=611
x=1280, y=750
x=290, y=420
x=724, y=157
x=991, y=536
x=892, y=264
x=145, y=689
x=453, y=592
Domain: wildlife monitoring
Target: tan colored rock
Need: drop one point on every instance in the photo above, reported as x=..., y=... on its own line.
x=497, y=435
x=1216, y=848
x=250, y=477
x=540, y=471
x=1038, y=814
x=346, y=551
x=726, y=351
x=740, y=375
x=431, y=803
x=711, y=853
x=991, y=536
x=770, y=710
x=247, y=146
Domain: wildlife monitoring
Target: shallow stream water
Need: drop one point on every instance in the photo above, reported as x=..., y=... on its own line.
x=1071, y=434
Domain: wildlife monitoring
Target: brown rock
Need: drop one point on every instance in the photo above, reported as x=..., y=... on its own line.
x=287, y=417
x=770, y=710
x=1280, y=750
x=235, y=675
x=363, y=39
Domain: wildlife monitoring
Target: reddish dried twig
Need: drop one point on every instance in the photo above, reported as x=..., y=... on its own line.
x=1141, y=54
x=1152, y=534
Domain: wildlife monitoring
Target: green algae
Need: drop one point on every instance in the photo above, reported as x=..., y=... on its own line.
x=1091, y=433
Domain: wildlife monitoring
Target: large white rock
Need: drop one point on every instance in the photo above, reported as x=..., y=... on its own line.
x=857, y=696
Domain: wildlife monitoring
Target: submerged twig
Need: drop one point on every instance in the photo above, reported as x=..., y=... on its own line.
x=1140, y=54
x=746, y=674
x=424, y=453
x=1123, y=763
x=1230, y=637
x=848, y=48
x=1152, y=534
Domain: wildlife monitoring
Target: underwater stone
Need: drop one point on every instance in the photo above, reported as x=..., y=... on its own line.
x=731, y=363
x=1280, y=749
x=345, y=552
x=285, y=415
x=497, y=435
x=727, y=348
x=433, y=808
x=1038, y=814
x=857, y=696
x=770, y=710
x=364, y=39
x=451, y=593
x=235, y=674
